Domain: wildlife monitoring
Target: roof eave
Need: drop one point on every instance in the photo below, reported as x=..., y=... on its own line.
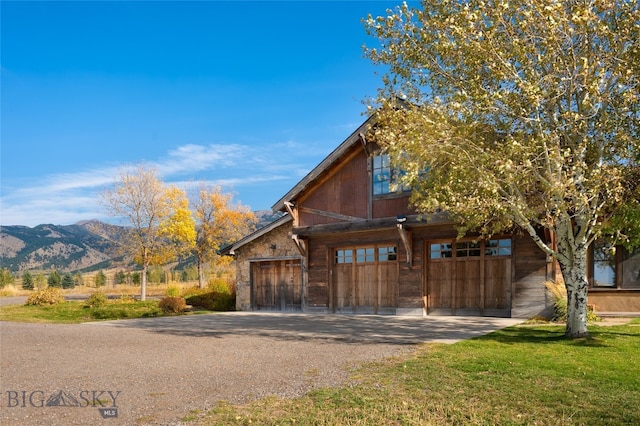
x=353, y=138
x=230, y=249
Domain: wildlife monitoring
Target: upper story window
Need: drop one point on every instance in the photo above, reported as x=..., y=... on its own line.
x=386, y=180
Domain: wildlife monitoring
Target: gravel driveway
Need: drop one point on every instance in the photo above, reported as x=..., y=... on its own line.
x=154, y=371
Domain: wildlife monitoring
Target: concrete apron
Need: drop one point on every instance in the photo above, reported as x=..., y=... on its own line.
x=400, y=330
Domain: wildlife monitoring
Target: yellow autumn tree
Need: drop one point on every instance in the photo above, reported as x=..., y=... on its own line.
x=218, y=221
x=517, y=114
x=159, y=224
x=179, y=227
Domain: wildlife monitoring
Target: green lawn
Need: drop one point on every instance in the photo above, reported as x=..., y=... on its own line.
x=76, y=312
x=526, y=375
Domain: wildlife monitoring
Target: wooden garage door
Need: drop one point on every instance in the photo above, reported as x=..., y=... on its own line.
x=469, y=278
x=365, y=279
x=277, y=285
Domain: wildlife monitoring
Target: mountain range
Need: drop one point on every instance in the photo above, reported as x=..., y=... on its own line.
x=84, y=246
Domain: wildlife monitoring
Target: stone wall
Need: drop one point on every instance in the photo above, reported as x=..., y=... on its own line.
x=274, y=245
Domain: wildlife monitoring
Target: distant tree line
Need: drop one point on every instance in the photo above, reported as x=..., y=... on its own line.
x=68, y=280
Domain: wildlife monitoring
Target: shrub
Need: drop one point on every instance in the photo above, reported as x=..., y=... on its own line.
x=127, y=298
x=173, y=305
x=193, y=291
x=8, y=291
x=219, y=296
x=173, y=290
x=97, y=300
x=48, y=296
x=221, y=285
x=202, y=300
x=559, y=294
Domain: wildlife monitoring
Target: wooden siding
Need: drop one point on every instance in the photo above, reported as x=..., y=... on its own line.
x=391, y=206
x=344, y=192
x=530, y=271
x=318, y=273
x=410, y=280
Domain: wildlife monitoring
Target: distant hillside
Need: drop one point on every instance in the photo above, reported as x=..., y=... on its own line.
x=265, y=217
x=66, y=248
x=85, y=246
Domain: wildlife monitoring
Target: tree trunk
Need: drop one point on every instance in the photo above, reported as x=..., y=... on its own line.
x=200, y=274
x=574, y=272
x=143, y=283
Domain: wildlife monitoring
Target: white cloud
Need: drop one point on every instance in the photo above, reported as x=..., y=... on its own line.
x=194, y=158
x=70, y=197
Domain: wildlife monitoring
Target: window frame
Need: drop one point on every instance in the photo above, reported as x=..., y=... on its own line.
x=623, y=260
x=388, y=183
x=439, y=250
x=366, y=254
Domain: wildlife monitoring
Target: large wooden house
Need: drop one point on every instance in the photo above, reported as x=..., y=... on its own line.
x=349, y=242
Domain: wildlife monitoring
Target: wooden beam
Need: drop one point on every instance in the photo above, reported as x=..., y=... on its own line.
x=407, y=241
x=299, y=245
x=367, y=146
x=292, y=211
x=372, y=224
x=332, y=215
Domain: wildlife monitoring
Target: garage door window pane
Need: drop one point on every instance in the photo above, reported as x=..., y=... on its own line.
x=467, y=249
x=387, y=254
x=439, y=251
x=365, y=255
x=344, y=256
x=498, y=247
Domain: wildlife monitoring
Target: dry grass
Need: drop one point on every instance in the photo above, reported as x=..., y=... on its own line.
x=120, y=289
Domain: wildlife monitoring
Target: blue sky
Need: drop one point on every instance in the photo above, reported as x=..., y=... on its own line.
x=247, y=95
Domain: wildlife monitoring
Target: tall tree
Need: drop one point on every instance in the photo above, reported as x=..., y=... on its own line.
x=27, y=280
x=179, y=227
x=154, y=212
x=40, y=281
x=218, y=220
x=525, y=114
x=68, y=281
x=100, y=279
x=79, y=280
x=6, y=277
x=54, y=279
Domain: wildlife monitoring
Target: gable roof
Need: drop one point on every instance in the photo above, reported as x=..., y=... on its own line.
x=343, y=148
x=230, y=249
